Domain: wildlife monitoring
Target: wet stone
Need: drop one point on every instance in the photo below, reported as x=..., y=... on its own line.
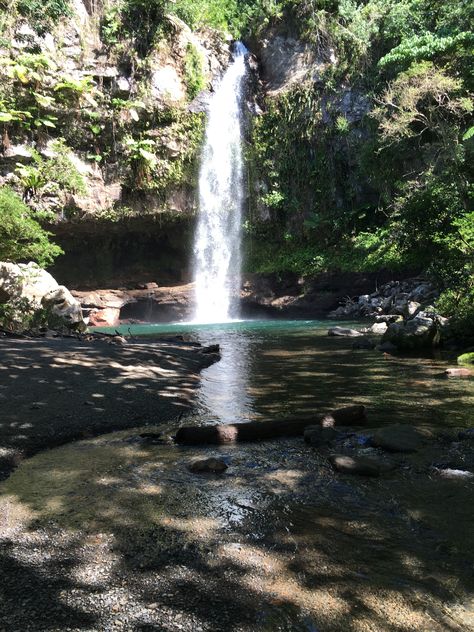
x=361, y=465
x=399, y=438
x=318, y=436
x=343, y=332
x=459, y=372
x=212, y=465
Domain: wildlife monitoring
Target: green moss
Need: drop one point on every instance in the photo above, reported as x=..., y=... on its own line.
x=466, y=358
x=193, y=72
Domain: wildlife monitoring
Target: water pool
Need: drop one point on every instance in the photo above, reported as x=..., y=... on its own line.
x=271, y=368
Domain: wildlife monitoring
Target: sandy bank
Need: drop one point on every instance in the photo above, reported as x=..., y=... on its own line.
x=55, y=391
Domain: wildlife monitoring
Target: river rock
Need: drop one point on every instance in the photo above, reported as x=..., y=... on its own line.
x=63, y=307
x=379, y=328
x=211, y=465
x=344, y=332
x=318, y=436
x=417, y=333
x=364, y=466
x=399, y=438
x=364, y=344
x=458, y=372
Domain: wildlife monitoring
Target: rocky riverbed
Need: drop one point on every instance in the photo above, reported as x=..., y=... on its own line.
x=117, y=533
x=359, y=529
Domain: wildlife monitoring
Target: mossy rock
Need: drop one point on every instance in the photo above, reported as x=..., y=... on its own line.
x=466, y=358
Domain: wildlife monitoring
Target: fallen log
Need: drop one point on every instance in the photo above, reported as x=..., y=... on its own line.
x=262, y=430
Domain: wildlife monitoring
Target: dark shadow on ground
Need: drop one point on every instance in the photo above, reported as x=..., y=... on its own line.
x=278, y=543
x=54, y=391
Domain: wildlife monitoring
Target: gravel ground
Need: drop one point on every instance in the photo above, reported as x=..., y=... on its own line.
x=114, y=534
x=54, y=391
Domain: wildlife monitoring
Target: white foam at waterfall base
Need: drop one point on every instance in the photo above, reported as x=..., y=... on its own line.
x=217, y=259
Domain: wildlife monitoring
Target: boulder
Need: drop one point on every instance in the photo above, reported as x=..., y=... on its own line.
x=211, y=465
x=63, y=307
x=412, y=308
x=343, y=332
x=399, y=438
x=318, y=436
x=417, y=333
x=31, y=289
x=107, y=317
x=459, y=372
x=379, y=328
x=364, y=466
x=25, y=280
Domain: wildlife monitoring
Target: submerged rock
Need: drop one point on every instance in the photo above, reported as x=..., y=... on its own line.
x=344, y=332
x=399, y=438
x=364, y=466
x=211, y=465
x=454, y=474
x=318, y=436
x=458, y=372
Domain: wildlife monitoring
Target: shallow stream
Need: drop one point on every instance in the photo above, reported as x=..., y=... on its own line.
x=273, y=368
x=125, y=537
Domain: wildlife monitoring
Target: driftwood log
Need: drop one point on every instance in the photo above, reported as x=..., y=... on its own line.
x=261, y=430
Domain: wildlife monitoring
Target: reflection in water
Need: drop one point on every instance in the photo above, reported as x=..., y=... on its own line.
x=224, y=393
x=271, y=369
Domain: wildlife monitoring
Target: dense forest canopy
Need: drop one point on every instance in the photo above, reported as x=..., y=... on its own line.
x=390, y=188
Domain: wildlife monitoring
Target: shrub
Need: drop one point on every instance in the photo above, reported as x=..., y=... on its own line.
x=21, y=236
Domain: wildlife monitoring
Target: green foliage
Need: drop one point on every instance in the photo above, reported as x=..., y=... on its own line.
x=193, y=72
x=141, y=21
x=43, y=14
x=466, y=358
x=152, y=165
x=21, y=236
x=50, y=175
x=16, y=315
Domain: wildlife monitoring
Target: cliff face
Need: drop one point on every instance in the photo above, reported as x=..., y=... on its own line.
x=101, y=136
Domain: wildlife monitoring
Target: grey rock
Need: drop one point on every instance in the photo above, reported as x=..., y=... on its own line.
x=412, y=308
x=62, y=305
x=318, y=436
x=211, y=465
x=399, y=438
x=122, y=86
x=379, y=328
x=361, y=465
x=343, y=332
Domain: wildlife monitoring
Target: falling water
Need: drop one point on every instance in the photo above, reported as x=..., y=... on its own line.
x=217, y=242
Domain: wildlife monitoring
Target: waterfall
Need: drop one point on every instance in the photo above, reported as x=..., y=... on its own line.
x=217, y=255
